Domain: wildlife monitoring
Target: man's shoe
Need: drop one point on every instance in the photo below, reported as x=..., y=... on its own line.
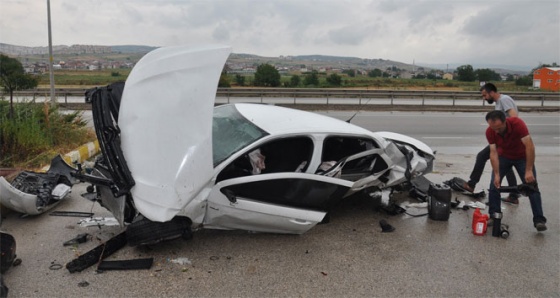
x=541, y=226
x=511, y=200
x=467, y=187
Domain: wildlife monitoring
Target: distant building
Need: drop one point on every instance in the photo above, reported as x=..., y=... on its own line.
x=447, y=76
x=547, y=78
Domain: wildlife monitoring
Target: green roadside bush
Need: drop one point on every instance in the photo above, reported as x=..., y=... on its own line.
x=37, y=133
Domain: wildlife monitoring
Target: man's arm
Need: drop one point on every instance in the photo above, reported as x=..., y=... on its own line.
x=495, y=162
x=529, y=158
x=511, y=113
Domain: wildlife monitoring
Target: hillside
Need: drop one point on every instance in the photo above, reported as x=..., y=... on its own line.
x=131, y=53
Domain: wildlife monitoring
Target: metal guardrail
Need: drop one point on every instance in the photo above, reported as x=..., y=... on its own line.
x=362, y=94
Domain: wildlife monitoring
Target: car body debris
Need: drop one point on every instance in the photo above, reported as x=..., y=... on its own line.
x=97, y=254
x=134, y=264
x=33, y=193
x=80, y=238
x=98, y=221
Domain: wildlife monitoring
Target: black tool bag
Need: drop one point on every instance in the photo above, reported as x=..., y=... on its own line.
x=8, y=251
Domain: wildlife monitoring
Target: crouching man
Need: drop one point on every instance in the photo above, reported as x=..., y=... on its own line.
x=512, y=146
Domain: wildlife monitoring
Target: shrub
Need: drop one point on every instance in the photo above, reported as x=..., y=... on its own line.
x=38, y=128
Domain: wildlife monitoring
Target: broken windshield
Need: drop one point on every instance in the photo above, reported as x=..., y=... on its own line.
x=231, y=132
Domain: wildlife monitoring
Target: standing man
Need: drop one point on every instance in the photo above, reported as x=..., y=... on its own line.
x=511, y=146
x=505, y=104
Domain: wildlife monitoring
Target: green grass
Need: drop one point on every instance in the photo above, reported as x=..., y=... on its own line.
x=85, y=78
x=37, y=133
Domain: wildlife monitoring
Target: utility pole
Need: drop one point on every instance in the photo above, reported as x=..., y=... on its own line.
x=53, y=101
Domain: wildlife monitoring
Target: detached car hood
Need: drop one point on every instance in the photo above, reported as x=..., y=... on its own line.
x=165, y=120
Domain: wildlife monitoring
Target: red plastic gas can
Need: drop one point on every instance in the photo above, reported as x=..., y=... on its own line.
x=479, y=222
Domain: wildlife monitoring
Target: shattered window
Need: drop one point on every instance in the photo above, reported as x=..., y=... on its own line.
x=231, y=132
x=291, y=154
x=337, y=147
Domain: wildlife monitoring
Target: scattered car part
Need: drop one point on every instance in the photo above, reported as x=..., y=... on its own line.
x=7, y=251
x=97, y=254
x=83, y=284
x=143, y=231
x=457, y=183
x=33, y=192
x=3, y=288
x=7, y=258
x=419, y=188
x=135, y=264
x=476, y=205
x=504, y=232
x=98, y=221
x=497, y=224
x=81, y=238
x=385, y=227
x=71, y=213
x=524, y=189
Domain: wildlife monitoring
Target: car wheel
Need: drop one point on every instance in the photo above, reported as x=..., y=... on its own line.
x=143, y=231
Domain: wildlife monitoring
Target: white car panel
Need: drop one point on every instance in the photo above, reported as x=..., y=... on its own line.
x=256, y=215
x=23, y=202
x=166, y=126
x=278, y=120
x=406, y=139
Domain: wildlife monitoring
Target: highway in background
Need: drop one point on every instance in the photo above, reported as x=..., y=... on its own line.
x=446, y=132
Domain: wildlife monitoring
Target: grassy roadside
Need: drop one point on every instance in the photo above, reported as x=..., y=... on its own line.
x=37, y=133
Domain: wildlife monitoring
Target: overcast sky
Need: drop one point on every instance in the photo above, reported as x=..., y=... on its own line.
x=509, y=32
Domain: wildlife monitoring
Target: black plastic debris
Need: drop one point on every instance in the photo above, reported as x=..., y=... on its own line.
x=7, y=251
x=83, y=284
x=71, y=213
x=81, y=238
x=457, y=185
x=136, y=264
x=97, y=254
x=385, y=227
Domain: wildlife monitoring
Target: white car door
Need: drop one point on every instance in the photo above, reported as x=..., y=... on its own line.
x=277, y=203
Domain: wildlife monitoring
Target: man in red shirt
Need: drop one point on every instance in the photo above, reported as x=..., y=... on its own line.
x=511, y=146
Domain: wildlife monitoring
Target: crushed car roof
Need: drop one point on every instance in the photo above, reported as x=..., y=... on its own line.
x=280, y=120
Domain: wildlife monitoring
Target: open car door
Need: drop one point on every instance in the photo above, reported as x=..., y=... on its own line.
x=285, y=202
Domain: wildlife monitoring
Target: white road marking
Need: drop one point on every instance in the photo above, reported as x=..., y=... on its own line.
x=446, y=138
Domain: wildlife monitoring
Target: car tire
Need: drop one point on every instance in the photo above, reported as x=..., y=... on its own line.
x=143, y=231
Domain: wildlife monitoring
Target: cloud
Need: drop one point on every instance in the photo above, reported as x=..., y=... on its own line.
x=430, y=31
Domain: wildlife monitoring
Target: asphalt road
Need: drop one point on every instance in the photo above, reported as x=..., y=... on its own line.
x=349, y=256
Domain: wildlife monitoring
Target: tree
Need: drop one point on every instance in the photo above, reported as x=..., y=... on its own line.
x=13, y=77
x=267, y=76
x=334, y=80
x=486, y=74
x=524, y=81
x=239, y=80
x=311, y=79
x=295, y=80
x=466, y=73
x=224, y=81
x=375, y=73
x=350, y=72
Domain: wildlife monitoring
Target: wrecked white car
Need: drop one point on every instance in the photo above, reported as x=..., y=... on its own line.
x=173, y=163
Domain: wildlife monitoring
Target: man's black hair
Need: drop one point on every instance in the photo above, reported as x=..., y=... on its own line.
x=495, y=115
x=489, y=87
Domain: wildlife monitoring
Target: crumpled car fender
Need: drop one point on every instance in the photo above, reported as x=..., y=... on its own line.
x=20, y=201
